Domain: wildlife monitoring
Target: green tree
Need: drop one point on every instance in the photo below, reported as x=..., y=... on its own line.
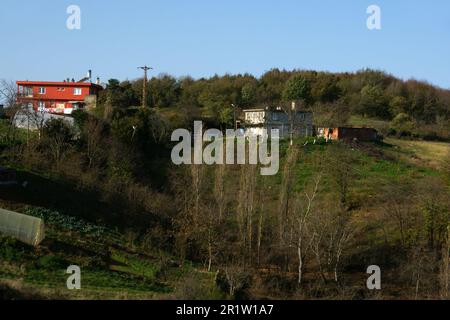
x=248, y=94
x=373, y=102
x=403, y=125
x=118, y=95
x=165, y=91
x=297, y=88
x=325, y=89
x=398, y=105
x=271, y=86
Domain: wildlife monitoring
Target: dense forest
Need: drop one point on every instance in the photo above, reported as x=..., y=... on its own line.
x=309, y=232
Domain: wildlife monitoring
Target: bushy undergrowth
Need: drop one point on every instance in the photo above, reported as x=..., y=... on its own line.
x=11, y=249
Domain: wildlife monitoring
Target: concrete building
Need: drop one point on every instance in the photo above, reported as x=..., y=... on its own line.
x=29, y=118
x=255, y=120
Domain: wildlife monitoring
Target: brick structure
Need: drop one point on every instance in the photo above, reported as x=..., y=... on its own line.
x=347, y=133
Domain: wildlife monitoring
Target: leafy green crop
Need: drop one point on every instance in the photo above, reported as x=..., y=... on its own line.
x=72, y=223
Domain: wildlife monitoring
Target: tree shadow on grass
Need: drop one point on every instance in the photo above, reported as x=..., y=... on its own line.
x=64, y=197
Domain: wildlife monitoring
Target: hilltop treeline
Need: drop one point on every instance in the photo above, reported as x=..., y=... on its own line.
x=412, y=108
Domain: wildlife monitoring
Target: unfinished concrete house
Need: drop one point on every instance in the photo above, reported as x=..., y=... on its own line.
x=256, y=120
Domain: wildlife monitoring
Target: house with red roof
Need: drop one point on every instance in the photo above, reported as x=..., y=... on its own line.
x=58, y=97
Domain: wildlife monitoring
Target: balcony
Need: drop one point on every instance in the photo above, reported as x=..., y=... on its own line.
x=24, y=95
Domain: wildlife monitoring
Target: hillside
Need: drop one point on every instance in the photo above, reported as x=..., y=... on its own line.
x=123, y=265
x=142, y=227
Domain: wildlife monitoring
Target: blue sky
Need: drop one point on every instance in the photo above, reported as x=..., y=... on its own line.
x=204, y=37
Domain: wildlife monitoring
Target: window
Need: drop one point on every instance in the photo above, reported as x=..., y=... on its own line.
x=77, y=91
x=41, y=90
x=276, y=116
x=28, y=91
x=41, y=106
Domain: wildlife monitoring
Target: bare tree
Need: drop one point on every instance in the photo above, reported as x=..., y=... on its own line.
x=341, y=171
x=398, y=207
x=445, y=268
x=36, y=119
x=435, y=204
x=420, y=269
x=285, y=193
x=94, y=142
x=213, y=216
x=189, y=223
x=58, y=135
x=446, y=168
x=8, y=93
x=199, y=221
x=246, y=208
x=159, y=128
x=236, y=278
x=219, y=189
x=261, y=221
x=331, y=230
x=303, y=211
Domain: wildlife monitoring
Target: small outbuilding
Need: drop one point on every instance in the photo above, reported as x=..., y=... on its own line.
x=348, y=133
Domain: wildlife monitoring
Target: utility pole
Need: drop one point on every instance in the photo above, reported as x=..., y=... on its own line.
x=234, y=116
x=291, y=120
x=144, y=90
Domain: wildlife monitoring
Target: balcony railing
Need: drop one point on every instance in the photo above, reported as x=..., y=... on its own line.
x=25, y=95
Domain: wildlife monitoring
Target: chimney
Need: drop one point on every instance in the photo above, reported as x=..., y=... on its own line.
x=97, y=81
x=89, y=75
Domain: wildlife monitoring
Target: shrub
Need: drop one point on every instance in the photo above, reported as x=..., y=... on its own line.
x=11, y=249
x=402, y=125
x=52, y=263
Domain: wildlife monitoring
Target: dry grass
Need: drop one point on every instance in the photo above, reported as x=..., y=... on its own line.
x=358, y=121
x=18, y=290
x=422, y=153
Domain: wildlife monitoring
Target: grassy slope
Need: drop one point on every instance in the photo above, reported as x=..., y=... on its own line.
x=113, y=268
x=422, y=153
x=358, y=121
